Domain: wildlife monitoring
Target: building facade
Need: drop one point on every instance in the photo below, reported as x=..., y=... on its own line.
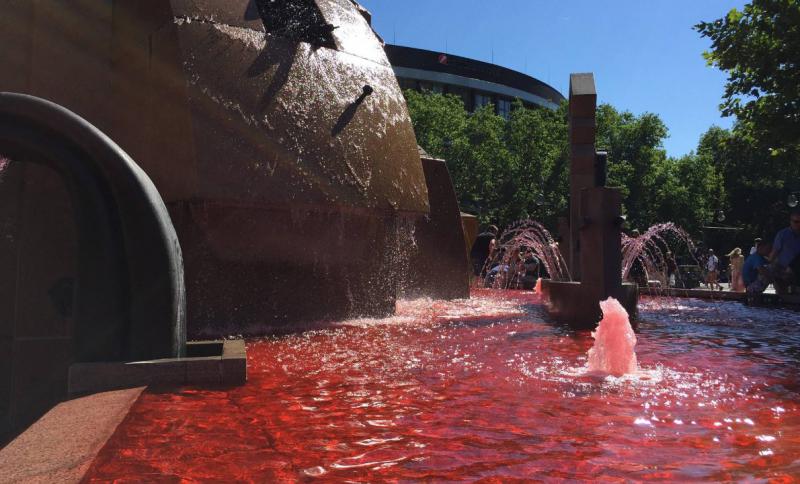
x=477, y=83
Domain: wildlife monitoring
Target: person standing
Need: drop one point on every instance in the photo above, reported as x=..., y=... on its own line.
x=754, y=248
x=785, y=255
x=754, y=274
x=483, y=249
x=737, y=261
x=712, y=268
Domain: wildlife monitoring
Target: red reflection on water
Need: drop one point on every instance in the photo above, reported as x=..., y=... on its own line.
x=478, y=389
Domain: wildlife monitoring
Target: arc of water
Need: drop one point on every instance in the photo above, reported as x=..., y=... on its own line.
x=529, y=234
x=649, y=249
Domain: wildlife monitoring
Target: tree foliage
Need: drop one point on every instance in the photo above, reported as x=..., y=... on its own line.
x=759, y=48
x=505, y=170
x=759, y=159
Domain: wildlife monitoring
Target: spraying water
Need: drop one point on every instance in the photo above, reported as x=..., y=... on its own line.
x=4, y=162
x=650, y=249
x=614, y=341
x=519, y=238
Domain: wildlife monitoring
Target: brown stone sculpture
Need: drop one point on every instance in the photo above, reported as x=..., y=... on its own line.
x=438, y=267
x=275, y=132
x=593, y=246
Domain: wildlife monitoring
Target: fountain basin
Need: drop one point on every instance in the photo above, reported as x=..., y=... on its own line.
x=567, y=302
x=206, y=363
x=485, y=389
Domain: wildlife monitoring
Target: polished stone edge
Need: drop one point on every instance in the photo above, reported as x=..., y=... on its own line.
x=566, y=303
x=765, y=298
x=693, y=293
x=61, y=446
x=224, y=363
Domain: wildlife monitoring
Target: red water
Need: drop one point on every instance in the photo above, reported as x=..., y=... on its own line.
x=484, y=389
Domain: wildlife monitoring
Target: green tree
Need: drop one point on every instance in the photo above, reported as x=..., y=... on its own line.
x=439, y=121
x=537, y=141
x=506, y=170
x=634, y=145
x=759, y=48
x=503, y=170
x=756, y=182
x=687, y=191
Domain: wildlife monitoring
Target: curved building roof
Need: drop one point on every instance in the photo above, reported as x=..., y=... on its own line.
x=429, y=66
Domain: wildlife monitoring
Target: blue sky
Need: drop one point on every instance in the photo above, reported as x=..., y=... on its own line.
x=643, y=53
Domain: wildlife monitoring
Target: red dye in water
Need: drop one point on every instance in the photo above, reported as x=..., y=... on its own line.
x=484, y=389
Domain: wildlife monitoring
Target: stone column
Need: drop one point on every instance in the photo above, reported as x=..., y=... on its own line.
x=582, y=131
x=601, y=246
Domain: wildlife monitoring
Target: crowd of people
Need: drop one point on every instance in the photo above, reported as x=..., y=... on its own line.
x=776, y=263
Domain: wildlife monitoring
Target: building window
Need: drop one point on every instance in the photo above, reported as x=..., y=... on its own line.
x=462, y=93
x=504, y=108
x=431, y=87
x=482, y=100
x=407, y=83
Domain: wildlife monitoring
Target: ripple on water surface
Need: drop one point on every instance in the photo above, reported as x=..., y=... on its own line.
x=485, y=388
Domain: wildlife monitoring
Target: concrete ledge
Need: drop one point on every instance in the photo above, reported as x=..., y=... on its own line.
x=695, y=293
x=207, y=363
x=576, y=305
x=62, y=444
x=764, y=299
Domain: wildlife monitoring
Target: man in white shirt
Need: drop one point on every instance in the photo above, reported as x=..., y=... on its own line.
x=712, y=265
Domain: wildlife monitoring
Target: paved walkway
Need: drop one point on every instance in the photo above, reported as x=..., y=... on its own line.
x=61, y=446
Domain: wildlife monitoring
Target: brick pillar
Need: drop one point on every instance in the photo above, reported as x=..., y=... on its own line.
x=601, y=243
x=582, y=132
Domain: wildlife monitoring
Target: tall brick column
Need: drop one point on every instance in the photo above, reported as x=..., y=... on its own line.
x=582, y=131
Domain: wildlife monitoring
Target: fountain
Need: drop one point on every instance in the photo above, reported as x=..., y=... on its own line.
x=292, y=164
x=437, y=265
x=591, y=238
x=613, y=351
x=474, y=389
x=529, y=235
x=271, y=137
x=649, y=249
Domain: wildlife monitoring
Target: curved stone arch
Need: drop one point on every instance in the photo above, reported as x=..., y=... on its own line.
x=130, y=299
